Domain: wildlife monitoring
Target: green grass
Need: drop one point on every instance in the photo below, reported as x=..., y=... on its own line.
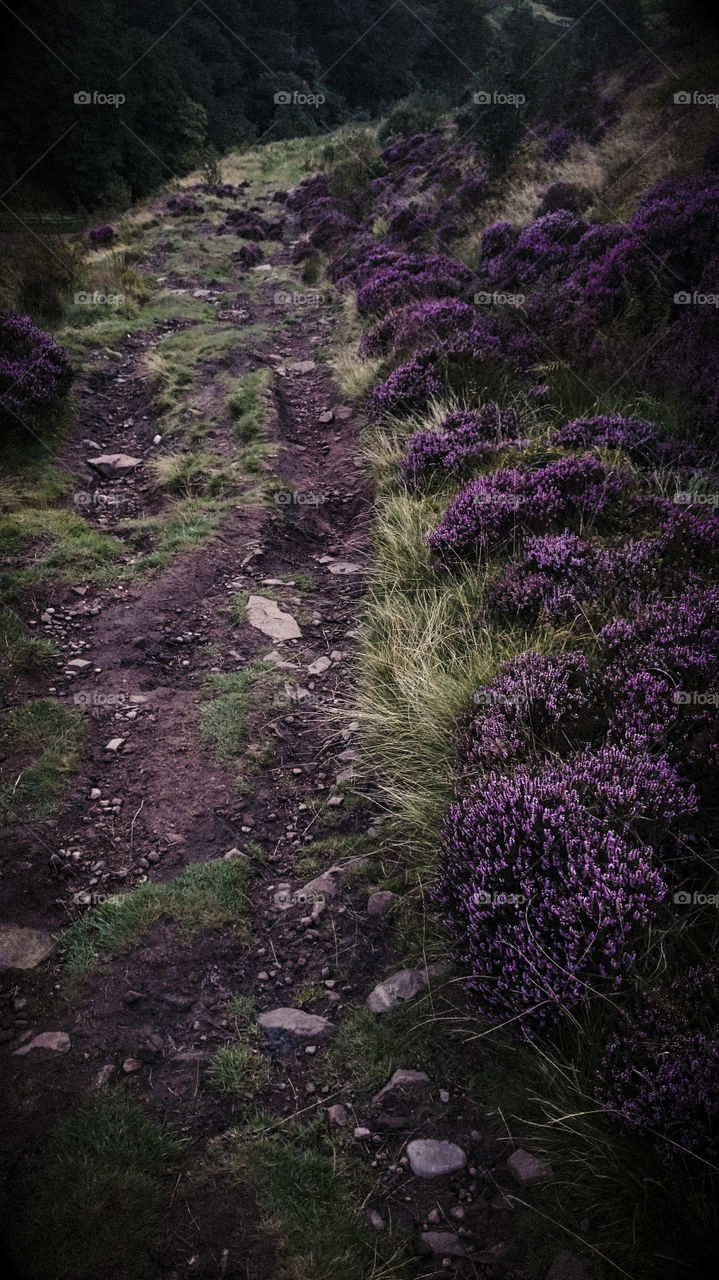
x=208, y=895
x=309, y=1189
x=226, y=718
x=102, y=1187
x=238, y=1068
x=20, y=650
x=43, y=741
x=247, y=404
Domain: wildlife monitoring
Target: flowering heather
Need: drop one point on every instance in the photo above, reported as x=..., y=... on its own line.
x=248, y=255
x=581, y=842
x=536, y=704
x=660, y=1073
x=407, y=389
x=465, y=437
x=559, y=195
x=252, y=226
x=417, y=324
x=179, y=205
x=558, y=576
x=559, y=143
x=642, y=441
x=411, y=276
x=98, y=237
x=494, y=510
x=35, y=372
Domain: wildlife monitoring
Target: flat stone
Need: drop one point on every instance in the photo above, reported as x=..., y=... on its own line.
x=379, y=903
x=434, y=1157
x=58, y=1041
x=403, y=1080
x=445, y=1243
x=23, y=948
x=327, y=416
x=130, y=1065
x=295, y=1022
x=404, y=985
x=345, y=567
x=344, y=413
x=268, y=618
x=301, y=366
x=527, y=1169
x=114, y=744
x=79, y=663
x=103, y=1076
x=337, y=1115
x=111, y=465
x=362, y=1134
x=319, y=665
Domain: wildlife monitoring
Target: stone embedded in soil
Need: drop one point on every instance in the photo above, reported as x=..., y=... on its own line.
x=79, y=663
x=375, y=1219
x=327, y=416
x=527, y=1169
x=434, y=1157
x=295, y=1022
x=318, y=666
x=114, y=744
x=103, y=1076
x=337, y=1115
x=301, y=366
x=379, y=903
x=444, y=1243
x=58, y=1041
x=268, y=618
x=345, y=567
x=404, y=985
x=23, y=948
x=401, y=1081
x=111, y=465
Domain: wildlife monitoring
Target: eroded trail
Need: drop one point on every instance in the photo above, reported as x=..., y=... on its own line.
x=153, y=798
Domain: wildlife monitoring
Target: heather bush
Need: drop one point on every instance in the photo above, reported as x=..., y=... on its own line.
x=559, y=143
x=177, y=206
x=551, y=877
x=252, y=226
x=406, y=390
x=660, y=1072
x=99, y=237
x=249, y=255
x=642, y=441
x=464, y=438
x=411, y=276
x=35, y=372
x=418, y=323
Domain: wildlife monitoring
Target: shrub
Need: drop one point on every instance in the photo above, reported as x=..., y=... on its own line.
x=35, y=372
x=98, y=237
x=407, y=389
x=466, y=436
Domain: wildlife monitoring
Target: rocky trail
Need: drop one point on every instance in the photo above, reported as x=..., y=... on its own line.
x=151, y=799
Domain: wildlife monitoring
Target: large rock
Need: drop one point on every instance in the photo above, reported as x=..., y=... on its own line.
x=527, y=1169
x=379, y=903
x=434, y=1157
x=295, y=1022
x=268, y=618
x=112, y=465
x=58, y=1041
x=23, y=948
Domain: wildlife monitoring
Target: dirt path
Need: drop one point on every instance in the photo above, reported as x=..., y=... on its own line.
x=161, y=802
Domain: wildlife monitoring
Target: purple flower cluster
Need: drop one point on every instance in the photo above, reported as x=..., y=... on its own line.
x=252, y=226
x=417, y=325
x=35, y=372
x=248, y=255
x=660, y=1072
x=99, y=237
x=494, y=511
x=559, y=143
x=406, y=390
x=411, y=276
x=466, y=437
x=642, y=441
x=177, y=206
x=550, y=877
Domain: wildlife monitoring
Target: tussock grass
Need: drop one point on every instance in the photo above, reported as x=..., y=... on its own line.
x=225, y=719
x=101, y=1188
x=44, y=741
x=238, y=1068
x=20, y=650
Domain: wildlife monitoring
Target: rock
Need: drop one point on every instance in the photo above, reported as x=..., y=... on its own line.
x=375, y=1219
x=379, y=903
x=130, y=1065
x=362, y=1134
x=402, y=1081
x=345, y=567
x=327, y=416
x=404, y=985
x=58, y=1041
x=301, y=366
x=112, y=465
x=23, y=948
x=569, y=1266
x=527, y=1169
x=232, y=854
x=318, y=666
x=337, y=1115
x=79, y=663
x=268, y=618
x=335, y=801
x=114, y=744
x=445, y=1243
x=103, y=1076
x=344, y=413
x=95, y=794
x=434, y=1157
x=295, y=1022
x=457, y=1213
